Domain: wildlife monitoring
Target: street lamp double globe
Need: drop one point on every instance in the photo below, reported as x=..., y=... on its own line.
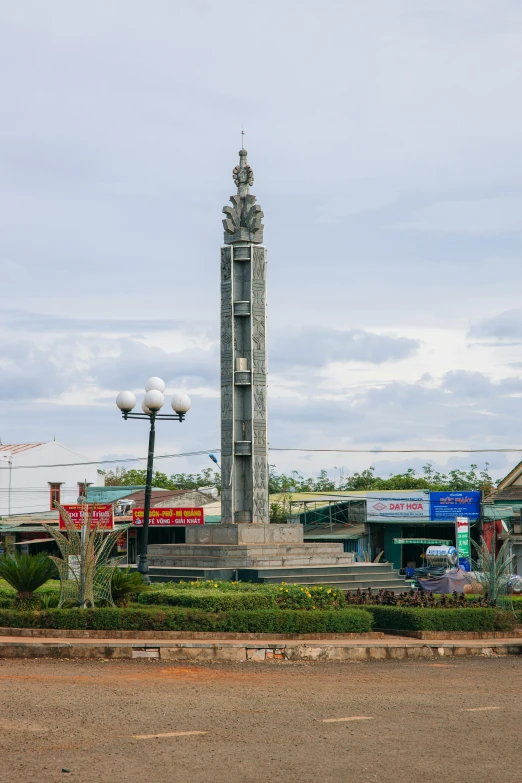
x=151, y=406
x=153, y=402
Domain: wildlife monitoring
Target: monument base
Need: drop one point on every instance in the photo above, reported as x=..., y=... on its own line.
x=247, y=546
x=244, y=534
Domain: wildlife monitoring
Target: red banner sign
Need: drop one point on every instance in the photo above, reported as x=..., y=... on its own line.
x=163, y=517
x=102, y=515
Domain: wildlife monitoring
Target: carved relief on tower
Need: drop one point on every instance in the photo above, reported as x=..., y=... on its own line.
x=260, y=403
x=226, y=442
x=258, y=295
x=226, y=298
x=226, y=402
x=259, y=264
x=226, y=491
x=259, y=365
x=226, y=262
x=260, y=510
x=258, y=332
x=260, y=438
x=226, y=332
x=260, y=473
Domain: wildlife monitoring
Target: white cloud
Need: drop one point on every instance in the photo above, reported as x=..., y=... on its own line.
x=360, y=117
x=476, y=217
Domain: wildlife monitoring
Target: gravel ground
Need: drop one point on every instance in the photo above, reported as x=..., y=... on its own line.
x=263, y=722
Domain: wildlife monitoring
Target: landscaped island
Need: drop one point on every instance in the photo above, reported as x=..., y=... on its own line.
x=249, y=608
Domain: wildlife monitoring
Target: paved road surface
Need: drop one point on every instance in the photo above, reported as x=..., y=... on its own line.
x=409, y=721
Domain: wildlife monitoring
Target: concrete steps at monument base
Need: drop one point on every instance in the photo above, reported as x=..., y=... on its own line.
x=379, y=576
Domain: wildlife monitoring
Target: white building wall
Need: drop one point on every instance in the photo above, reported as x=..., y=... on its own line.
x=29, y=490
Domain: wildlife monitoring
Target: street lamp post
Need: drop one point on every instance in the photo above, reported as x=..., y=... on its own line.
x=152, y=404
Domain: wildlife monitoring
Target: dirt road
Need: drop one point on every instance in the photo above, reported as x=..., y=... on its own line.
x=261, y=722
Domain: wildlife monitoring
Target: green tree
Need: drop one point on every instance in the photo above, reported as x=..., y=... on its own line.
x=121, y=477
x=455, y=480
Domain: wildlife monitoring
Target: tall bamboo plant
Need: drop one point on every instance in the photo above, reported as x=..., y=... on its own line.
x=85, y=573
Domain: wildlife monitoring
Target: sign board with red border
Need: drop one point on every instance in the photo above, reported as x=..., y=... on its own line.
x=164, y=517
x=101, y=515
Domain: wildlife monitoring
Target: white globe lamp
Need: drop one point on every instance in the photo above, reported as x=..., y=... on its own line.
x=125, y=401
x=154, y=400
x=155, y=384
x=181, y=403
x=145, y=409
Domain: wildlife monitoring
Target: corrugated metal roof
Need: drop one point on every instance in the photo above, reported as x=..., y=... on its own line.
x=506, y=495
x=16, y=448
x=335, y=497
x=336, y=532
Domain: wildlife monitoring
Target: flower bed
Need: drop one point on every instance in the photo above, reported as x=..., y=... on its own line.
x=416, y=599
x=187, y=619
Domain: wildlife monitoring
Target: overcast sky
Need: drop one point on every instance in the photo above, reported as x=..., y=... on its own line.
x=386, y=142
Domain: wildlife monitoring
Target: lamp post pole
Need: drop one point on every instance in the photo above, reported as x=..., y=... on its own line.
x=152, y=404
x=143, y=565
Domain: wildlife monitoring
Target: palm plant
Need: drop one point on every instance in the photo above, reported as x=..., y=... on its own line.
x=493, y=571
x=126, y=584
x=26, y=573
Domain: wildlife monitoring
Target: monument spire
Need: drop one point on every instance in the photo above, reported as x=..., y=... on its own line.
x=244, y=456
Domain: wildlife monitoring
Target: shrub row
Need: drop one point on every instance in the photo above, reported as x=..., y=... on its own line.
x=207, y=600
x=270, y=597
x=182, y=619
x=398, y=618
x=208, y=584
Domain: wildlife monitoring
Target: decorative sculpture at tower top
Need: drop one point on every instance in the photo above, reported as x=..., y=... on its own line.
x=244, y=219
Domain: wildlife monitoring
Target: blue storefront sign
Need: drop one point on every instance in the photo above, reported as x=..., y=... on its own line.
x=445, y=506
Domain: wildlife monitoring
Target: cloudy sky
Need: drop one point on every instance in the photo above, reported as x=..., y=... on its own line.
x=386, y=142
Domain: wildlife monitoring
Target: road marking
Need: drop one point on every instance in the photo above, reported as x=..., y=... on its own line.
x=169, y=734
x=481, y=709
x=342, y=720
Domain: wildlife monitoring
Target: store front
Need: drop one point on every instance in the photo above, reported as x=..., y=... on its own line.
x=391, y=540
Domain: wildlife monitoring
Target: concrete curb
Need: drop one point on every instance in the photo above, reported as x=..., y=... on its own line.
x=56, y=633
x=261, y=650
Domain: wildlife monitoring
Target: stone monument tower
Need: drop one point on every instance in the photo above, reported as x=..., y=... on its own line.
x=244, y=455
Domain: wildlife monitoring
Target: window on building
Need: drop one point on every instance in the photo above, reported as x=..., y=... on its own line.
x=55, y=495
x=82, y=488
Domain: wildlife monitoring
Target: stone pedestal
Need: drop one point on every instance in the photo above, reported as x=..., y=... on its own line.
x=231, y=535
x=233, y=547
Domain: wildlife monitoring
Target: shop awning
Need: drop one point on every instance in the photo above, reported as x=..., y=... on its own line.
x=422, y=541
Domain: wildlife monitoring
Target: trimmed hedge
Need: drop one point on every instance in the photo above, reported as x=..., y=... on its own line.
x=182, y=619
x=208, y=584
x=207, y=600
x=399, y=618
x=282, y=596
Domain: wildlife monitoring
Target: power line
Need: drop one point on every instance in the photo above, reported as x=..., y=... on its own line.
x=108, y=461
x=404, y=451
x=271, y=448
